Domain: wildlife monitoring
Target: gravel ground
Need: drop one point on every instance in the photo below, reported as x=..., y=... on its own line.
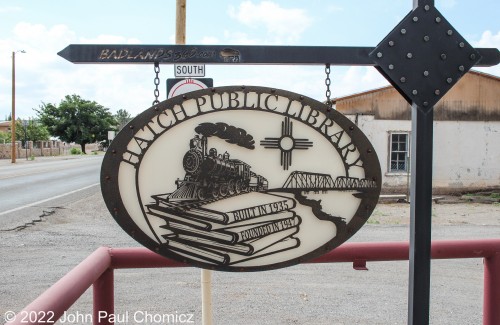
x=36, y=257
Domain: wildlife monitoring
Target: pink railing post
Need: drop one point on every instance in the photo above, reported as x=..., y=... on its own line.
x=59, y=297
x=491, y=303
x=104, y=304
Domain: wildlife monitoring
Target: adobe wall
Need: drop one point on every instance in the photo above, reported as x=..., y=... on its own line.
x=41, y=149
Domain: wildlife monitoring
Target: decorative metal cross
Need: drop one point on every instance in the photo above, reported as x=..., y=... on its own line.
x=422, y=57
x=286, y=143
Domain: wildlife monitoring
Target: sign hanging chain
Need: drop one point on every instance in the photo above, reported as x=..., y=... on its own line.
x=328, y=82
x=157, y=83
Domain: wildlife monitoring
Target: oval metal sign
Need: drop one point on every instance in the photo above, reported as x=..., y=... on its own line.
x=241, y=178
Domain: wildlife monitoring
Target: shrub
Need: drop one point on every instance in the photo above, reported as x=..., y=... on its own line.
x=75, y=151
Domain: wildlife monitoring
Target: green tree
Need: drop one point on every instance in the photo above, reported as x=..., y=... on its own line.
x=31, y=130
x=5, y=137
x=77, y=120
x=122, y=117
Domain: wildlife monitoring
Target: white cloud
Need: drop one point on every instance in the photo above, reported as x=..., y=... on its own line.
x=43, y=76
x=38, y=35
x=281, y=24
x=263, y=23
x=488, y=39
x=113, y=86
x=40, y=43
x=356, y=79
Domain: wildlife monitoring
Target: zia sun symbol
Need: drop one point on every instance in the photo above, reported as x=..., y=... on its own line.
x=286, y=143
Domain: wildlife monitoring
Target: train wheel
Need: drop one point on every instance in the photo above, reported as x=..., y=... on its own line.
x=201, y=193
x=224, y=190
x=231, y=187
x=215, y=192
x=238, y=186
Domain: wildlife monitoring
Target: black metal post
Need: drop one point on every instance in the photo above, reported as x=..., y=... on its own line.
x=420, y=216
x=420, y=210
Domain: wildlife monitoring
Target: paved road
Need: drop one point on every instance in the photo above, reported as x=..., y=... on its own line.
x=27, y=189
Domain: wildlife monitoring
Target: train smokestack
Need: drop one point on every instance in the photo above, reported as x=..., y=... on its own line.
x=227, y=132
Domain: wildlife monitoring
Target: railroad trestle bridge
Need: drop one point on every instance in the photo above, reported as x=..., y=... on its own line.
x=323, y=182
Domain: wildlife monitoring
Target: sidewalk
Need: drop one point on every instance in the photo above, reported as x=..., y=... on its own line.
x=37, y=160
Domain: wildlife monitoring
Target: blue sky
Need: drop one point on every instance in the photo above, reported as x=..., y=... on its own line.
x=43, y=28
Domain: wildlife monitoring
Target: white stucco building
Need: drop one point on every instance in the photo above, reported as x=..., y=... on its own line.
x=466, y=134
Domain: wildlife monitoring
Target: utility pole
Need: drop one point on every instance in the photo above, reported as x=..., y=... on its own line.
x=13, y=114
x=206, y=275
x=180, y=25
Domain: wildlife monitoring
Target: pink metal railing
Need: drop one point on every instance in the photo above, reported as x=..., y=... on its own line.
x=97, y=270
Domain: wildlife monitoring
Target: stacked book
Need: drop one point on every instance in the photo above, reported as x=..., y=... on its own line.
x=229, y=231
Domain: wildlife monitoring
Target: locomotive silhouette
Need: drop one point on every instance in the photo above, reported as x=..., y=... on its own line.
x=210, y=175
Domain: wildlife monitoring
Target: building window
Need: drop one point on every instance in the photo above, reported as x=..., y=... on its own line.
x=399, y=152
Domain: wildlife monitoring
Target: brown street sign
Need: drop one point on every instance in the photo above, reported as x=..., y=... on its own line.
x=226, y=54
x=241, y=178
x=233, y=54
